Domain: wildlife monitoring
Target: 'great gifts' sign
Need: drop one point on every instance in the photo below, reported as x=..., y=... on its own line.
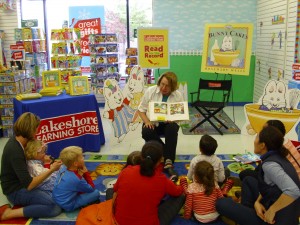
x=87, y=27
x=153, y=48
x=68, y=126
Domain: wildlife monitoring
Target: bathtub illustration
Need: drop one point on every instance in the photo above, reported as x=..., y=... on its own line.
x=258, y=118
x=225, y=58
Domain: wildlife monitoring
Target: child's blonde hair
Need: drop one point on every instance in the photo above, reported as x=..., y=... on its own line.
x=32, y=148
x=69, y=155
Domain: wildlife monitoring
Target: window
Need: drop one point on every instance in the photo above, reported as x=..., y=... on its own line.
x=57, y=11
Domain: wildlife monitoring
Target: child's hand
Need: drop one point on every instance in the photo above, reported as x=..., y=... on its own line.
x=56, y=165
x=83, y=170
x=47, y=159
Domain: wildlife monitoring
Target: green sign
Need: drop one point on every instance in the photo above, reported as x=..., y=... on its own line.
x=29, y=23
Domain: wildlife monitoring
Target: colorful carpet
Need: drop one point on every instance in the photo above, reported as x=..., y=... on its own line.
x=206, y=127
x=105, y=169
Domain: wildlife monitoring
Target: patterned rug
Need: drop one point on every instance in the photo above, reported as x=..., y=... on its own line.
x=104, y=170
x=206, y=127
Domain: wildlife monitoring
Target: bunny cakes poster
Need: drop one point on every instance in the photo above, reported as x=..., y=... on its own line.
x=227, y=48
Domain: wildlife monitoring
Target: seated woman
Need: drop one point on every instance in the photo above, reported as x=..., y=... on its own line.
x=140, y=189
x=277, y=183
x=17, y=184
x=164, y=91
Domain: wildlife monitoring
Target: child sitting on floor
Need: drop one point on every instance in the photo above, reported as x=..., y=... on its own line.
x=207, y=147
x=74, y=187
x=134, y=158
x=202, y=194
x=38, y=162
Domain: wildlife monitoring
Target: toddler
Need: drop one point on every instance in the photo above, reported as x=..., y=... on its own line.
x=208, y=146
x=74, y=187
x=202, y=194
x=38, y=162
x=134, y=158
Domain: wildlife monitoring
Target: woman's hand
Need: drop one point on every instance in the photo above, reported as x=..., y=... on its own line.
x=269, y=216
x=260, y=210
x=149, y=125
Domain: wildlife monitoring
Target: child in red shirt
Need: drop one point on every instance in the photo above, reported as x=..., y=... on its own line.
x=202, y=194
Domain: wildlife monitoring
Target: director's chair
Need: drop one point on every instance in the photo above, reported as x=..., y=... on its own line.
x=212, y=97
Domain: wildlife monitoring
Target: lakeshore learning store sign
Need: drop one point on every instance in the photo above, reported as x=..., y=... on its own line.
x=227, y=48
x=153, y=48
x=68, y=126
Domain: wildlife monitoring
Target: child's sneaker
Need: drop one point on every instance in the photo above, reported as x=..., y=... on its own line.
x=168, y=164
x=227, y=186
x=172, y=174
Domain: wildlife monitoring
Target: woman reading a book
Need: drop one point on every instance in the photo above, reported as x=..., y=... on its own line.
x=164, y=91
x=278, y=186
x=16, y=182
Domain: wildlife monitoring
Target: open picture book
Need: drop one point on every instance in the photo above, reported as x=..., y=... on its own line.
x=247, y=158
x=172, y=111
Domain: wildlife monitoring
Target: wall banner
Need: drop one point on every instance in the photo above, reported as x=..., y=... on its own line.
x=153, y=48
x=227, y=48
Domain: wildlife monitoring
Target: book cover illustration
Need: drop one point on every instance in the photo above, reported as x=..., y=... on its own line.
x=247, y=158
x=18, y=34
x=51, y=79
x=163, y=111
x=79, y=85
x=26, y=33
x=131, y=51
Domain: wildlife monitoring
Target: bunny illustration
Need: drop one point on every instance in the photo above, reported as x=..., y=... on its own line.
x=117, y=108
x=215, y=46
x=226, y=44
x=135, y=90
x=274, y=98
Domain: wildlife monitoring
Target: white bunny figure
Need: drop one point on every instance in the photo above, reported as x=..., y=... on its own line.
x=135, y=91
x=226, y=44
x=274, y=98
x=215, y=46
x=116, y=108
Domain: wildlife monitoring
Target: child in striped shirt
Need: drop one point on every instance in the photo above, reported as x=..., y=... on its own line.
x=202, y=194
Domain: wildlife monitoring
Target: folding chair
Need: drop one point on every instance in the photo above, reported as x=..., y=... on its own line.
x=218, y=91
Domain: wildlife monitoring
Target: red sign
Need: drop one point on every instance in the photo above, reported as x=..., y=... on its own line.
x=296, y=66
x=17, y=55
x=87, y=27
x=68, y=126
x=296, y=75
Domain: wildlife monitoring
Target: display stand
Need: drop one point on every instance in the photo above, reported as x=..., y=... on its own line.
x=34, y=43
x=104, y=51
x=65, y=53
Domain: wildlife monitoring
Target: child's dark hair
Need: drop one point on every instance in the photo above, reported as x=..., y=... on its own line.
x=204, y=174
x=273, y=139
x=278, y=124
x=134, y=158
x=152, y=153
x=208, y=145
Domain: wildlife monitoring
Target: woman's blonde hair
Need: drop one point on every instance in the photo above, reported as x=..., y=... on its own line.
x=32, y=147
x=26, y=125
x=69, y=155
x=172, y=79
